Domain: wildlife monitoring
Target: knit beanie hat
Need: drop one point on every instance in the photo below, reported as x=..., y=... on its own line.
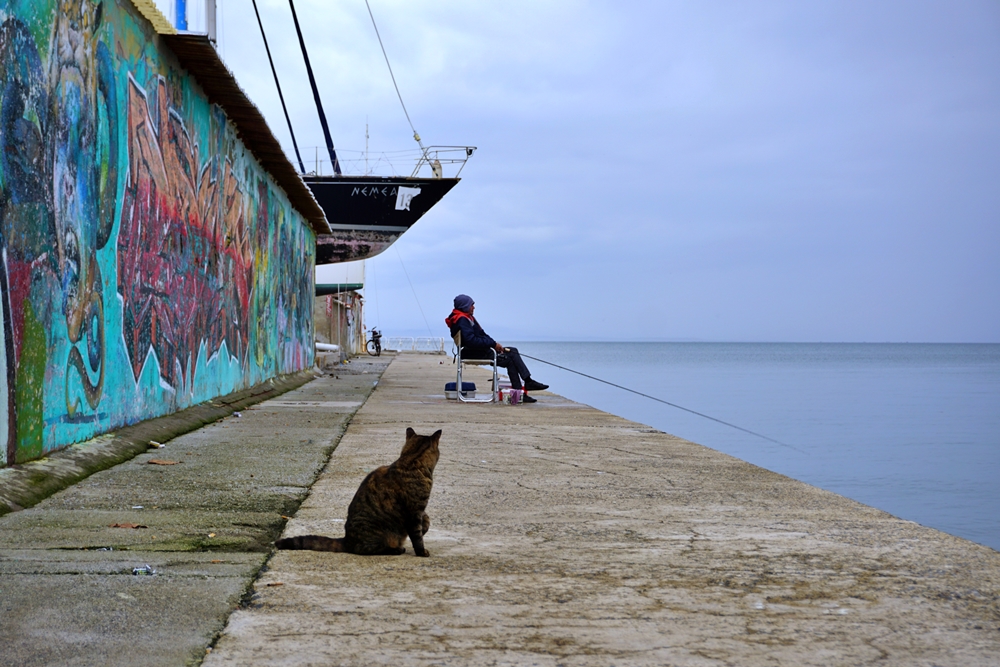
x=463, y=303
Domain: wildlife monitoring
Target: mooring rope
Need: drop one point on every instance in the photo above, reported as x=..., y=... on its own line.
x=415, y=298
x=673, y=405
x=394, y=84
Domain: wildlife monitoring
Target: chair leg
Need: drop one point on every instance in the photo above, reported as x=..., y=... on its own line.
x=458, y=386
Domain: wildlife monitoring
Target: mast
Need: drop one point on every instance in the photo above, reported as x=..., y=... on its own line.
x=277, y=84
x=319, y=104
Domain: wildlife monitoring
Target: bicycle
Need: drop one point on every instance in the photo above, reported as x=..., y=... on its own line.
x=375, y=343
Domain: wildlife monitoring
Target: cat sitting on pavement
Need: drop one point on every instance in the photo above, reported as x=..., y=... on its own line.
x=388, y=506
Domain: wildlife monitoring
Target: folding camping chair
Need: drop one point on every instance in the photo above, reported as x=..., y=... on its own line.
x=459, y=361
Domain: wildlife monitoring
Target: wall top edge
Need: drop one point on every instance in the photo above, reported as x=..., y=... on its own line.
x=152, y=14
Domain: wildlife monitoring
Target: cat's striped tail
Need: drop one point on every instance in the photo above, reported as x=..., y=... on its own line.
x=311, y=543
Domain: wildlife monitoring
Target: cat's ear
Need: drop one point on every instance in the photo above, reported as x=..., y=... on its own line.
x=410, y=432
x=436, y=435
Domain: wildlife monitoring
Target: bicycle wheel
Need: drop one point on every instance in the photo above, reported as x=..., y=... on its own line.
x=374, y=348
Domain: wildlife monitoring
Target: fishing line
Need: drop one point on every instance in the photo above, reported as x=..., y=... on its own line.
x=673, y=405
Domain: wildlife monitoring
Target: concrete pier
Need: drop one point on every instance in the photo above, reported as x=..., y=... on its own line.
x=560, y=535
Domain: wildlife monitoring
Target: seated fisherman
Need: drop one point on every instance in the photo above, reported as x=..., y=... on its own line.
x=476, y=344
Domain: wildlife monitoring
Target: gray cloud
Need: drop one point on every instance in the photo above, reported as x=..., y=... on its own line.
x=658, y=171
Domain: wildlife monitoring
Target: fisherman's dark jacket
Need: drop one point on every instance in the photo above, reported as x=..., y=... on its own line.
x=473, y=335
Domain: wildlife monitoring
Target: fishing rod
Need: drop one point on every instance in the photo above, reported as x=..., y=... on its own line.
x=673, y=405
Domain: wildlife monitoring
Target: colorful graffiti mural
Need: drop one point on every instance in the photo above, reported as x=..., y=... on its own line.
x=184, y=256
x=147, y=262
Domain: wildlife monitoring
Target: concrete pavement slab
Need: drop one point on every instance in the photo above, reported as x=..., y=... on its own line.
x=114, y=619
x=68, y=595
x=26, y=484
x=561, y=535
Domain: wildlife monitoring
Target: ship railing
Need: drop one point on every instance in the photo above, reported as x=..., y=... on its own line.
x=443, y=161
x=412, y=344
x=436, y=157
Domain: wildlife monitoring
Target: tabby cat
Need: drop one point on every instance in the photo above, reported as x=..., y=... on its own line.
x=388, y=506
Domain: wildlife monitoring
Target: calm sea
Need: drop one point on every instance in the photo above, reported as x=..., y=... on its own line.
x=912, y=429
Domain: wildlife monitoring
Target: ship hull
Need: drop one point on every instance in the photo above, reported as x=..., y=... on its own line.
x=367, y=214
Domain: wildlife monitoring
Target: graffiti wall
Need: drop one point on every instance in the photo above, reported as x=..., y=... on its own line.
x=147, y=261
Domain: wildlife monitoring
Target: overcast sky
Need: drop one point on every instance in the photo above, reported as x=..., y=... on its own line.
x=725, y=171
